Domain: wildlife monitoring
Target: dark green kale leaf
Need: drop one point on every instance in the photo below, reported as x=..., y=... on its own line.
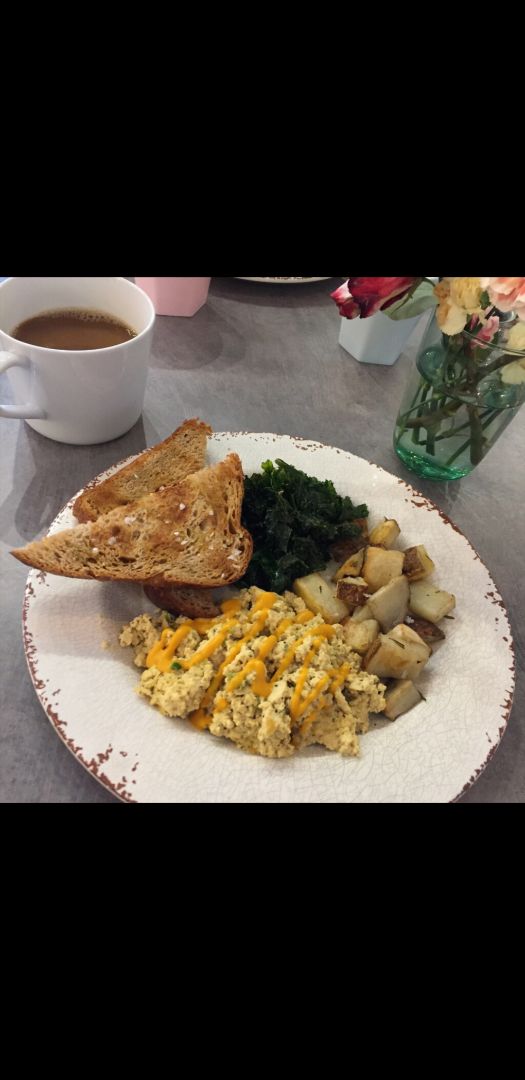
x=293, y=519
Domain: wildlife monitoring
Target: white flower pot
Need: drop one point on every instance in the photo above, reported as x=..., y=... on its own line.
x=378, y=339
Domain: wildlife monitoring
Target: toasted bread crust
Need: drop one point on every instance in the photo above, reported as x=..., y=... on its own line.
x=191, y=602
x=169, y=462
x=189, y=534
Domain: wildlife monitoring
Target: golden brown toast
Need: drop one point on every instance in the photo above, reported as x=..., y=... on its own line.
x=182, y=453
x=193, y=603
x=188, y=534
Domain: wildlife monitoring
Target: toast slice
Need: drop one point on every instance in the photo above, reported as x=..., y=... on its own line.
x=189, y=534
x=169, y=462
x=193, y=603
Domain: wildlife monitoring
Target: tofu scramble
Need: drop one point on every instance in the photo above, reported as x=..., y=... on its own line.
x=267, y=674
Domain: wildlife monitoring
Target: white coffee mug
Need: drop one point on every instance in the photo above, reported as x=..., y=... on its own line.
x=82, y=397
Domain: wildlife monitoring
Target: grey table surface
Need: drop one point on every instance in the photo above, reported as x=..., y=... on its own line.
x=256, y=358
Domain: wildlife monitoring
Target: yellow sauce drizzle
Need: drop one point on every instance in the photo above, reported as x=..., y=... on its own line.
x=203, y=625
x=324, y=630
x=305, y=616
x=260, y=684
x=209, y=647
x=311, y=697
x=230, y=607
x=306, y=725
x=303, y=675
x=162, y=653
x=200, y=719
x=340, y=677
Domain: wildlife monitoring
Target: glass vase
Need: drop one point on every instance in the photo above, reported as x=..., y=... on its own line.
x=462, y=394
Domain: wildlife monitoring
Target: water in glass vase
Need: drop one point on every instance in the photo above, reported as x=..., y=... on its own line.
x=455, y=406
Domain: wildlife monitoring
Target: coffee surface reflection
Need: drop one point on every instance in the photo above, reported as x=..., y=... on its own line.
x=73, y=329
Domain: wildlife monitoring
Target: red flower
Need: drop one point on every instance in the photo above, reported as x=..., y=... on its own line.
x=363, y=296
x=346, y=303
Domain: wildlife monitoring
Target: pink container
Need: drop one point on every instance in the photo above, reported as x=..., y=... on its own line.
x=175, y=295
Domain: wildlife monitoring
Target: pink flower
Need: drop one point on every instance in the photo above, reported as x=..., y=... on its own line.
x=506, y=293
x=362, y=297
x=487, y=331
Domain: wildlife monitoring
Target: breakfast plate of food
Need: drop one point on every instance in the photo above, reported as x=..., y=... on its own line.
x=249, y=617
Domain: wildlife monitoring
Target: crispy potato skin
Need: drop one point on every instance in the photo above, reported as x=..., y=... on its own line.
x=401, y=697
x=380, y=566
x=353, y=592
x=385, y=534
x=427, y=602
x=417, y=564
x=319, y=596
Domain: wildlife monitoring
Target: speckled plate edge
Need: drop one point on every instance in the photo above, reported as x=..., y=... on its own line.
x=95, y=763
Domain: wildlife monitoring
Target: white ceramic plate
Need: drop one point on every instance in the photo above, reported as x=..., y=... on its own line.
x=283, y=280
x=430, y=755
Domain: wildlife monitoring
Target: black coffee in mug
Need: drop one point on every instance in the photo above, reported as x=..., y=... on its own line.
x=74, y=329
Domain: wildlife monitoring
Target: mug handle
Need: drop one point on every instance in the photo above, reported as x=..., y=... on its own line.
x=18, y=412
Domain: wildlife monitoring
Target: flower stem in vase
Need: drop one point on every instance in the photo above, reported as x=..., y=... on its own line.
x=456, y=432
x=415, y=422
x=433, y=423
x=477, y=440
x=430, y=419
x=455, y=396
x=492, y=414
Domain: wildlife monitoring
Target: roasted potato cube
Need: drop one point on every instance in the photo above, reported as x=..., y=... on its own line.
x=430, y=603
x=419, y=652
x=385, y=659
x=353, y=592
x=385, y=534
x=401, y=654
x=389, y=605
x=428, y=631
x=401, y=632
x=380, y=566
x=417, y=564
x=319, y=596
x=401, y=697
x=361, y=614
x=360, y=636
x=352, y=567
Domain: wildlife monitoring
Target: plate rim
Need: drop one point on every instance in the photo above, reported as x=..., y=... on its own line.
x=94, y=767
